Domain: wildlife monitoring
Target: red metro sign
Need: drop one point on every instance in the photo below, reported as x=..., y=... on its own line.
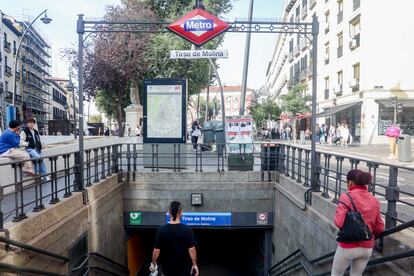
x=198, y=26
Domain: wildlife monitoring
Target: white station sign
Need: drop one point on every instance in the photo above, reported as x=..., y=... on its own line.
x=194, y=54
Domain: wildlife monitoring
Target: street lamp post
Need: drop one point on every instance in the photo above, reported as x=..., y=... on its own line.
x=71, y=88
x=11, y=110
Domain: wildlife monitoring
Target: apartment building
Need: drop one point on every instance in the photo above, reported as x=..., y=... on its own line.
x=33, y=66
x=232, y=98
x=363, y=63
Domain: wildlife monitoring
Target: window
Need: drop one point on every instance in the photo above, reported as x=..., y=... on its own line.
x=304, y=3
x=327, y=22
x=340, y=11
x=14, y=47
x=356, y=26
x=340, y=77
x=356, y=71
x=6, y=86
x=327, y=53
x=340, y=44
x=297, y=13
x=357, y=4
x=326, y=88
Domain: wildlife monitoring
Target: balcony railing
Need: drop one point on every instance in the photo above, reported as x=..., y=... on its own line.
x=327, y=28
x=340, y=51
x=290, y=56
x=357, y=4
x=8, y=70
x=7, y=46
x=340, y=16
x=326, y=94
x=355, y=42
x=312, y=3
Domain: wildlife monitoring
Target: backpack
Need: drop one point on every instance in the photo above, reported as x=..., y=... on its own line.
x=354, y=229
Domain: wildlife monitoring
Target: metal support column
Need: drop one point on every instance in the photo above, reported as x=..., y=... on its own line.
x=80, y=30
x=246, y=61
x=315, y=31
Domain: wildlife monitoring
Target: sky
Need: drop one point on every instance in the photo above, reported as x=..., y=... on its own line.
x=62, y=33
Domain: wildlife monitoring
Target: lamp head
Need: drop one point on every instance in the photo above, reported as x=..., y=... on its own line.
x=45, y=19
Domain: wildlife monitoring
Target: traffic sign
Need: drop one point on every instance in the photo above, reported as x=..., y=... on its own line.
x=198, y=26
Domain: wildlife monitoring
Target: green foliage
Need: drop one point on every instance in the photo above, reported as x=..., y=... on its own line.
x=108, y=103
x=295, y=100
x=213, y=105
x=263, y=111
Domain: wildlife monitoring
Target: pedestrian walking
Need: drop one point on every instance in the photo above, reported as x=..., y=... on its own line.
x=317, y=135
x=175, y=246
x=195, y=134
x=355, y=250
x=9, y=147
x=322, y=134
x=307, y=134
x=34, y=146
x=137, y=131
x=345, y=135
x=331, y=134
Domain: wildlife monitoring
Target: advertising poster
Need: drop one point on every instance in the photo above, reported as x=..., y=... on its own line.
x=239, y=131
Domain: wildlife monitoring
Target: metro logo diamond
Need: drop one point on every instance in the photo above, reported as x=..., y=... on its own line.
x=199, y=27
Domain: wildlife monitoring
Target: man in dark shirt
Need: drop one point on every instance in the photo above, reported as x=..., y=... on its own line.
x=175, y=245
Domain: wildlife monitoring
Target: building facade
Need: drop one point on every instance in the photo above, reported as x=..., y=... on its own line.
x=33, y=67
x=364, y=71
x=232, y=98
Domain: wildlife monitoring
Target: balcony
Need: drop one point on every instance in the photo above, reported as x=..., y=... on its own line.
x=339, y=51
x=340, y=16
x=326, y=59
x=304, y=12
x=338, y=90
x=357, y=4
x=296, y=51
x=312, y=3
x=355, y=42
x=327, y=28
x=7, y=46
x=326, y=94
x=304, y=43
x=354, y=84
x=8, y=71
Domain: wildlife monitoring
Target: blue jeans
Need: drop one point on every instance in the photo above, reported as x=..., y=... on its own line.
x=35, y=154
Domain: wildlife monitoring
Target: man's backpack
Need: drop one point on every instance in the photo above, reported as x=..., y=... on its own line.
x=354, y=229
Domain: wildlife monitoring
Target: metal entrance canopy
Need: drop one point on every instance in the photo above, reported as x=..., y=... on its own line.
x=304, y=29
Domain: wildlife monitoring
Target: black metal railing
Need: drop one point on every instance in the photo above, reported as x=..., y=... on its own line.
x=8, y=70
x=85, y=268
x=276, y=270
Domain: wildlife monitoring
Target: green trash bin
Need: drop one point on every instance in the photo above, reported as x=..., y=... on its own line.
x=208, y=133
x=219, y=137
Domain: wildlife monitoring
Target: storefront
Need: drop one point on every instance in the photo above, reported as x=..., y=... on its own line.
x=349, y=114
x=404, y=118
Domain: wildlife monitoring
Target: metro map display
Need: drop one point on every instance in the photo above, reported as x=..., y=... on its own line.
x=164, y=110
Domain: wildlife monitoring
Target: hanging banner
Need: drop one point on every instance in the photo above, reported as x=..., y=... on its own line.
x=195, y=54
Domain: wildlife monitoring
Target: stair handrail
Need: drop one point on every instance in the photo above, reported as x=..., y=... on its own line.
x=124, y=268
x=385, y=233
x=34, y=249
x=31, y=271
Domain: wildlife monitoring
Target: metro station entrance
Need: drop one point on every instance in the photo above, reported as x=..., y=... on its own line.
x=220, y=251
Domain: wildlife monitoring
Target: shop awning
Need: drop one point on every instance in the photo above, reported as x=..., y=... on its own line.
x=336, y=109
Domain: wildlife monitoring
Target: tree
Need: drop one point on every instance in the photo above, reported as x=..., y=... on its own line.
x=115, y=61
x=213, y=108
x=295, y=101
x=265, y=110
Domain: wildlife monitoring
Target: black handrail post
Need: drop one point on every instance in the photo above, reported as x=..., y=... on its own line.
x=392, y=195
x=96, y=165
x=316, y=182
x=135, y=156
x=175, y=156
x=102, y=163
x=66, y=158
x=78, y=185
x=109, y=157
